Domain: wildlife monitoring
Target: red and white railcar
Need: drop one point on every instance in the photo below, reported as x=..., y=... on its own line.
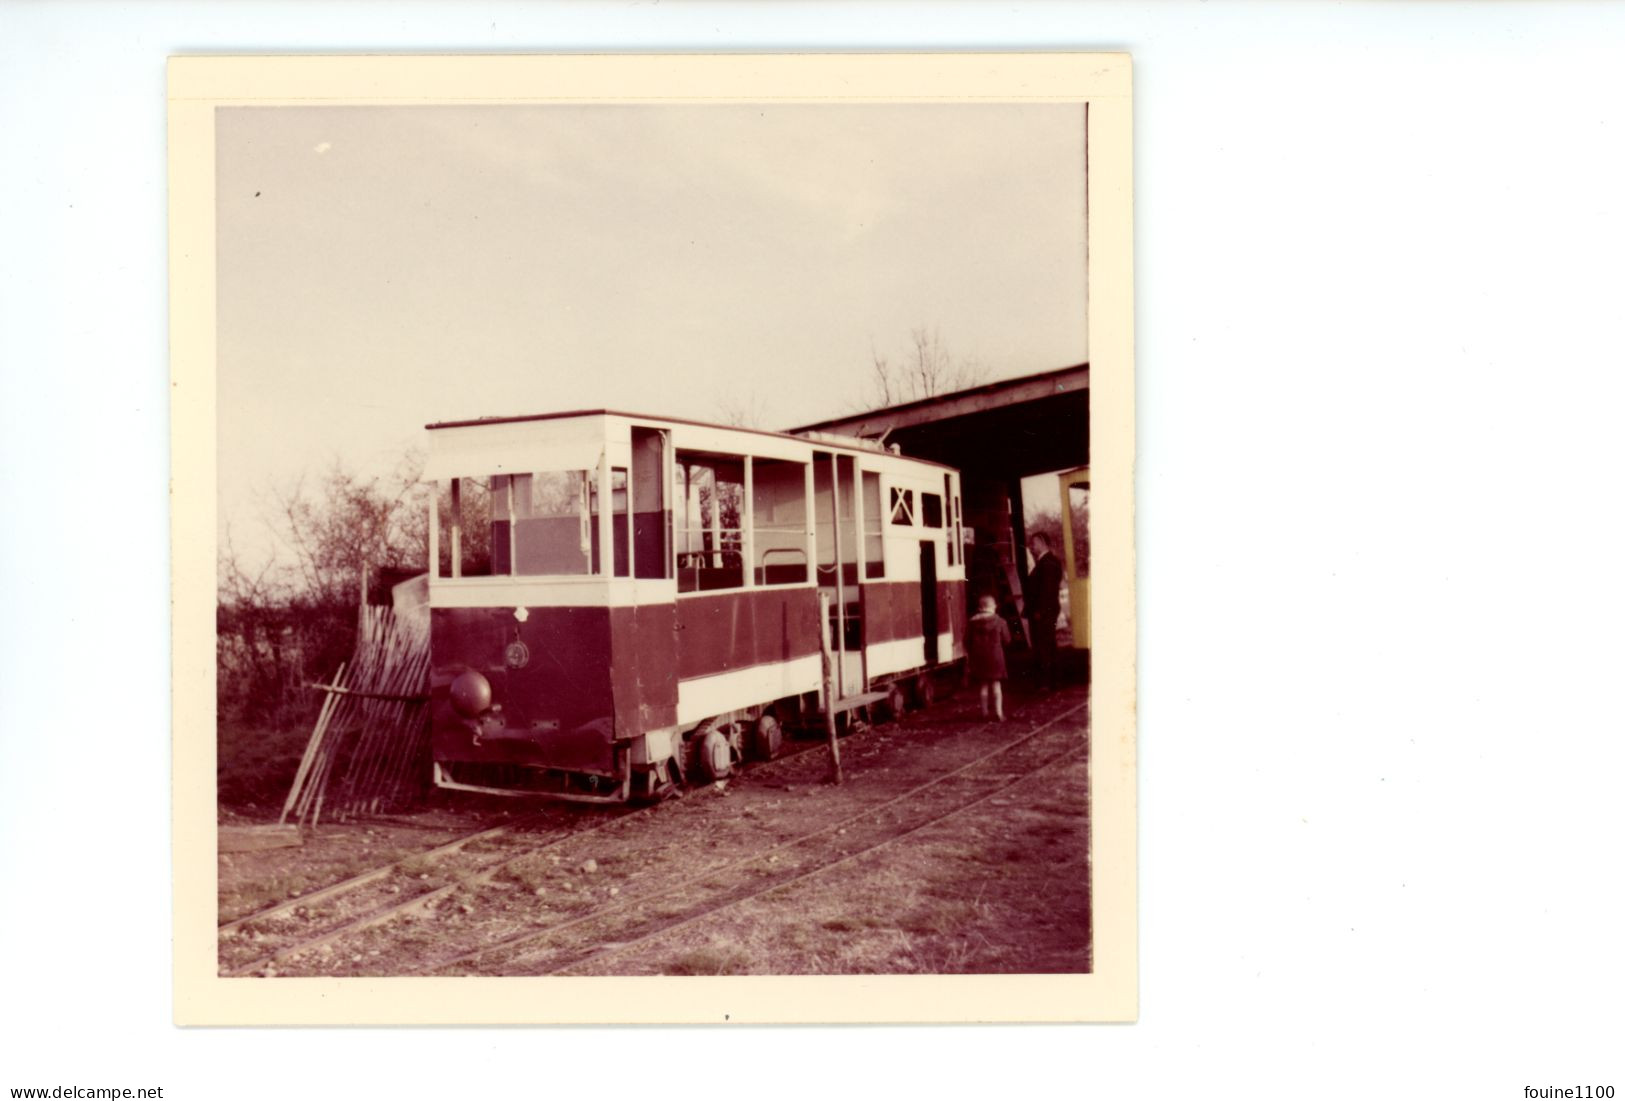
x=616, y=598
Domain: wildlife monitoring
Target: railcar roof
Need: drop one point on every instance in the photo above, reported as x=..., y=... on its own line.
x=821, y=441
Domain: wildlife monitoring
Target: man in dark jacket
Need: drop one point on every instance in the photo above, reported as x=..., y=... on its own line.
x=1044, y=607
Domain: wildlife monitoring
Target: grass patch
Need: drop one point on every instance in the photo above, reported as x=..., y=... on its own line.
x=251, y=898
x=256, y=766
x=708, y=961
x=997, y=855
x=942, y=918
x=530, y=872
x=415, y=866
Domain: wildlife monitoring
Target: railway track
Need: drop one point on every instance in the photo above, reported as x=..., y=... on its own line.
x=619, y=926
x=366, y=901
x=704, y=914
x=475, y=918
x=361, y=902
x=332, y=890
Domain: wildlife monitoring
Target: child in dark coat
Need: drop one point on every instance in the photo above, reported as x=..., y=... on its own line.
x=985, y=643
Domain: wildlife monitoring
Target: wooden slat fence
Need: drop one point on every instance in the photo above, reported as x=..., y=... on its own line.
x=369, y=749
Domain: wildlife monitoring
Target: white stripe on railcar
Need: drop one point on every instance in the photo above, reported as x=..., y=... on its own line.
x=701, y=697
x=550, y=592
x=884, y=658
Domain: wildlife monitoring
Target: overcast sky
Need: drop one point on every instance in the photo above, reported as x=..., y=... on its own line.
x=381, y=268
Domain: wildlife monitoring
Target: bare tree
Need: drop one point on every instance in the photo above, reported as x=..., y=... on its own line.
x=251, y=634
x=290, y=618
x=742, y=410
x=885, y=380
x=352, y=523
x=925, y=370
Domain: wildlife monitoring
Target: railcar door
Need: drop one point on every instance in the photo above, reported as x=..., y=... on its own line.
x=928, y=598
x=836, y=527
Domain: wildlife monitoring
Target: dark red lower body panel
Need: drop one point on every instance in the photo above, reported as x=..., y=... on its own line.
x=894, y=610
x=578, y=681
x=571, y=686
x=727, y=631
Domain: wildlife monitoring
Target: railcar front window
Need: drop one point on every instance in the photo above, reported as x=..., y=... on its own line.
x=538, y=524
x=473, y=519
x=553, y=528
x=617, y=524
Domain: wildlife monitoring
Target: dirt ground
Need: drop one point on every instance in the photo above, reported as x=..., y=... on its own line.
x=725, y=880
x=1001, y=889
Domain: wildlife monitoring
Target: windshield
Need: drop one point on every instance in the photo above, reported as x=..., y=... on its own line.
x=539, y=524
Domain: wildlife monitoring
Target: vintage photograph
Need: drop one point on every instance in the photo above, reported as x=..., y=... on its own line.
x=652, y=539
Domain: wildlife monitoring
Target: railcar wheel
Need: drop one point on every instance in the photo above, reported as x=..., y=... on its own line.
x=896, y=701
x=766, y=737
x=715, y=745
x=713, y=754
x=925, y=690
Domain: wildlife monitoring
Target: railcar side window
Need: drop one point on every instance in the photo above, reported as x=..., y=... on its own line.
x=874, y=547
x=651, y=520
x=902, y=505
x=709, y=491
x=836, y=512
x=779, y=521
x=847, y=487
x=443, y=524
x=930, y=510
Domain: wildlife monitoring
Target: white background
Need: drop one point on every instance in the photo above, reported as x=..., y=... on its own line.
x=1379, y=297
